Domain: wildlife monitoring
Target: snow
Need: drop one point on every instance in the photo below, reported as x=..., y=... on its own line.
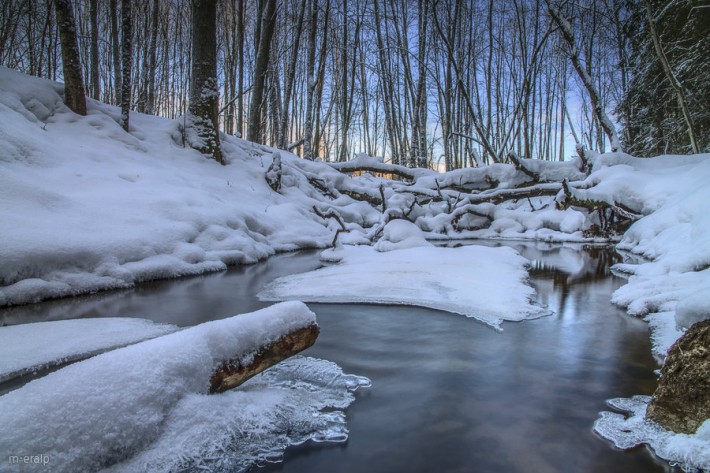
x=690, y=452
x=694, y=308
x=112, y=209
x=488, y=284
x=670, y=285
x=108, y=408
x=399, y=235
x=30, y=347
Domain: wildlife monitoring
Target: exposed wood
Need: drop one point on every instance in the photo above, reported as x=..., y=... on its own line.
x=266, y=32
x=232, y=373
x=501, y=195
x=332, y=213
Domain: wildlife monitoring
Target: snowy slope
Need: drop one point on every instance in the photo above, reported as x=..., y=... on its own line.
x=85, y=206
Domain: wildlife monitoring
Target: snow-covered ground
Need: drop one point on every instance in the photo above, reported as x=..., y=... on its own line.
x=30, y=347
x=85, y=206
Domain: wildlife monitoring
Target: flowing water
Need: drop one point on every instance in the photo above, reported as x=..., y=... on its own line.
x=448, y=394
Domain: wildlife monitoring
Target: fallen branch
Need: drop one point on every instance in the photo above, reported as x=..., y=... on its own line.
x=361, y=164
x=321, y=187
x=521, y=167
x=332, y=213
x=501, y=195
x=371, y=199
x=469, y=209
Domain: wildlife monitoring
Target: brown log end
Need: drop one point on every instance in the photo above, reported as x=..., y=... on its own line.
x=232, y=373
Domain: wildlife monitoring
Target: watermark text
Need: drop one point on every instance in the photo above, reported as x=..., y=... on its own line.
x=28, y=459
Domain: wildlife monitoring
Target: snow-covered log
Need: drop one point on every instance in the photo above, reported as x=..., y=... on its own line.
x=102, y=410
x=364, y=163
x=233, y=372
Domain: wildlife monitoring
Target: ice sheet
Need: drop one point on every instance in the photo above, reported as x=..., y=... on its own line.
x=690, y=452
x=488, y=284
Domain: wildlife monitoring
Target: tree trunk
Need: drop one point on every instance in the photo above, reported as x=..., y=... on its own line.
x=268, y=24
x=74, y=91
x=289, y=78
x=240, y=68
x=126, y=61
x=204, y=95
x=94, y=61
x=232, y=373
x=566, y=31
x=421, y=101
x=115, y=52
x=311, y=82
x=151, y=69
x=677, y=86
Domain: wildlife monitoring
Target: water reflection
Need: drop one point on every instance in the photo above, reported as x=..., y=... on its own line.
x=184, y=302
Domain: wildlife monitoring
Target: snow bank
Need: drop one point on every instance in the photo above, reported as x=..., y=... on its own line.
x=690, y=452
x=86, y=206
x=110, y=407
x=670, y=285
x=488, y=284
x=30, y=347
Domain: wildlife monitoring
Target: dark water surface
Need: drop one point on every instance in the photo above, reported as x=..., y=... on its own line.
x=448, y=394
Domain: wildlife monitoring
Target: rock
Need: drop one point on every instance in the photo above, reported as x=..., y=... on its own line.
x=681, y=402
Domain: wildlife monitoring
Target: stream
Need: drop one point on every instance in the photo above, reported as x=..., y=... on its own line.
x=448, y=394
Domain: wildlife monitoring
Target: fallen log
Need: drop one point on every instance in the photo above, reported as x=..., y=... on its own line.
x=232, y=373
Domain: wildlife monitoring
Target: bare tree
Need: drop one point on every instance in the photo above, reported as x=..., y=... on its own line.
x=74, y=91
x=94, y=56
x=266, y=32
x=204, y=95
x=126, y=61
x=675, y=84
x=115, y=51
x=566, y=31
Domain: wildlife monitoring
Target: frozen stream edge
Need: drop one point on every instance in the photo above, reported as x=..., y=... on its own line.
x=689, y=452
x=298, y=400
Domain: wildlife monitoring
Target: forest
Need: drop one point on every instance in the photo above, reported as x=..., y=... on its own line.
x=354, y=235
x=442, y=84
